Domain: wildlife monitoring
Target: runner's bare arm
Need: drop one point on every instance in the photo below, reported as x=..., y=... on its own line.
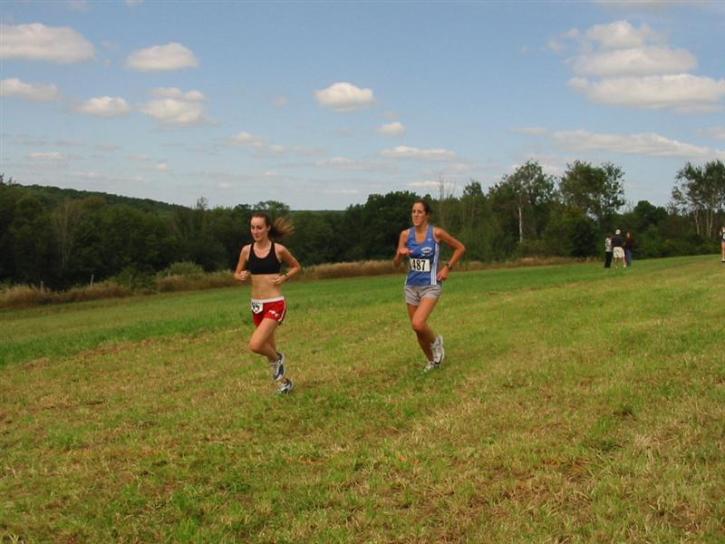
x=402, y=250
x=293, y=265
x=241, y=273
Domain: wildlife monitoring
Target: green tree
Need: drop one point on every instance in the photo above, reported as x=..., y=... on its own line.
x=597, y=191
x=526, y=194
x=571, y=233
x=700, y=193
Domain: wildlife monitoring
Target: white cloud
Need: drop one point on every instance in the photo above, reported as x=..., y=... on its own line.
x=715, y=132
x=640, y=61
x=247, y=139
x=648, y=144
x=621, y=34
x=105, y=106
x=558, y=44
x=683, y=92
x=173, y=107
x=172, y=56
x=47, y=156
x=448, y=186
x=345, y=164
x=620, y=64
x=406, y=152
x=178, y=94
x=39, y=42
x=259, y=144
x=344, y=96
x=392, y=129
x=13, y=87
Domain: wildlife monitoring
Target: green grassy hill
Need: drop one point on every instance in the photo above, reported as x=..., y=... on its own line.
x=575, y=405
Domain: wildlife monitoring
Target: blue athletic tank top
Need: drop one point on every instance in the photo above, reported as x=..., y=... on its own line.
x=423, y=259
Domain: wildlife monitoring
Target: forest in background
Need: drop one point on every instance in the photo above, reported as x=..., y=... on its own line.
x=60, y=238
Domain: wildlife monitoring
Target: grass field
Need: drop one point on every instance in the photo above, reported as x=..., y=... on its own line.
x=575, y=405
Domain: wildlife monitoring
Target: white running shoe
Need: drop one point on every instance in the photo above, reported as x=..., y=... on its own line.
x=431, y=366
x=439, y=353
x=278, y=367
x=285, y=387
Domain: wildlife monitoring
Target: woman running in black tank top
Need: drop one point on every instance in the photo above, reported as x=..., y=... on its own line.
x=262, y=261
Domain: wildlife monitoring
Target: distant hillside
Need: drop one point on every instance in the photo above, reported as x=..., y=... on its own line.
x=53, y=196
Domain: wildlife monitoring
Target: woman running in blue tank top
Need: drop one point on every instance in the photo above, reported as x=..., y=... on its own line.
x=423, y=284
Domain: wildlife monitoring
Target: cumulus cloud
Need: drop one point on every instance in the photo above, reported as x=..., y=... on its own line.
x=247, y=139
x=648, y=144
x=173, y=107
x=634, y=61
x=257, y=143
x=682, y=92
x=344, y=96
x=392, y=129
x=620, y=64
x=13, y=87
x=172, y=56
x=621, y=34
x=105, y=106
x=36, y=41
x=407, y=152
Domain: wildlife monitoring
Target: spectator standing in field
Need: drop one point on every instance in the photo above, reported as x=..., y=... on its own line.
x=262, y=262
x=607, y=251
x=420, y=244
x=628, y=248
x=618, y=249
x=722, y=244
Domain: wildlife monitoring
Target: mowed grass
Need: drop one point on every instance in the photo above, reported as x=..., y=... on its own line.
x=576, y=405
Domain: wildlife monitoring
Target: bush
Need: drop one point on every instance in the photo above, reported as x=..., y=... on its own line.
x=134, y=279
x=194, y=282
x=182, y=268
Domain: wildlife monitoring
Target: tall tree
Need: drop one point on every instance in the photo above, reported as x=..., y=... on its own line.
x=597, y=191
x=65, y=219
x=700, y=192
x=528, y=190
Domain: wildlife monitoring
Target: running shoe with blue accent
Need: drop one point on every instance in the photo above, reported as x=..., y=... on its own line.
x=278, y=367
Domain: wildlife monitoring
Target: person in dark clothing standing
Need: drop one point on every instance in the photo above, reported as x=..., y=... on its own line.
x=628, y=247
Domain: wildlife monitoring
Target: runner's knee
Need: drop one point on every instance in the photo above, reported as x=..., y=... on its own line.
x=256, y=346
x=419, y=325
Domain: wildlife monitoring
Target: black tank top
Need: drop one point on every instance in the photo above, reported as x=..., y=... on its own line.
x=264, y=265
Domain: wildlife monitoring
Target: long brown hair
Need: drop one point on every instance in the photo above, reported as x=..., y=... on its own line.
x=279, y=228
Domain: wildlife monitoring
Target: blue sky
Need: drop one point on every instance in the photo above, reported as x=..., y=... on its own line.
x=320, y=104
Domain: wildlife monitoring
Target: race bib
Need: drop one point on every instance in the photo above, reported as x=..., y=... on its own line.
x=420, y=265
x=257, y=307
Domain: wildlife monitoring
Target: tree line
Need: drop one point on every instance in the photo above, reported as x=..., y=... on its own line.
x=65, y=237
